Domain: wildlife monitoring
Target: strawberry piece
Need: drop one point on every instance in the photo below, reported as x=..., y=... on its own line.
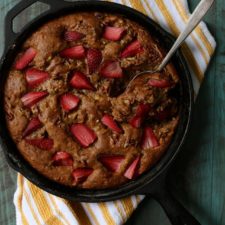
x=159, y=83
x=113, y=33
x=132, y=170
x=69, y=101
x=141, y=112
x=32, y=126
x=143, y=109
x=112, y=162
x=149, y=139
x=83, y=134
x=94, y=58
x=25, y=59
x=76, y=52
x=73, y=36
x=80, y=81
x=62, y=159
x=42, y=143
x=136, y=121
x=110, y=123
x=132, y=49
x=111, y=69
x=34, y=77
x=81, y=174
x=32, y=98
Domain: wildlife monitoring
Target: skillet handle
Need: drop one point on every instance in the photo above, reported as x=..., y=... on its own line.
x=177, y=214
x=10, y=35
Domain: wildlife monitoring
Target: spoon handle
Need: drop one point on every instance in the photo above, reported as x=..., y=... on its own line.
x=194, y=20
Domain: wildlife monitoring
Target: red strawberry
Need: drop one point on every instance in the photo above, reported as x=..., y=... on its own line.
x=141, y=112
x=62, y=159
x=113, y=33
x=112, y=162
x=42, y=143
x=35, y=77
x=132, y=170
x=25, y=59
x=132, y=49
x=149, y=139
x=73, y=36
x=76, y=52
x=159, y=83
x=84, y=135
x=110, y=123
x=111, y=69
x=80, y=81
x=32, y=126
x=32, y=98
x=143, y=109
x=69, y=101
x=136, y=121
x=94, y=58
x=81, y=174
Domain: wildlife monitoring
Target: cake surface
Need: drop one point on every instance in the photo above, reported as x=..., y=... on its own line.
x=67, y=109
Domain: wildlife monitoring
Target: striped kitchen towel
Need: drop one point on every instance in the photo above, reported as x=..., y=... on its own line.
x=36, y=207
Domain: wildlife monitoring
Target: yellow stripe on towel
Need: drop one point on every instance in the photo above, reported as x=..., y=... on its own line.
x=106, y=213
x=81, y=215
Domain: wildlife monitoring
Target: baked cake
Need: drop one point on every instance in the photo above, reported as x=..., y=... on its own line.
x=67, y=108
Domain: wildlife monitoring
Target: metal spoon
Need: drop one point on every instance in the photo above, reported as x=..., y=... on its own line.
x=194, y=20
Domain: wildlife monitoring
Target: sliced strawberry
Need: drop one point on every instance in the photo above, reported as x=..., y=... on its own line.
x=32, y=98
x=76, y=52
x=141, y=112
x=81, y=174
x=159, y=83
x=73, y=36
x=69, y=101
x=34, y=77
x=42, y=143
x=132, y=170
x=149, y=139
x=62, y=159
x=94, y=58
x=81, y=81
x=112, y=162
x=110, y=123
x=132, y=49
x=25, y=59
x=113, y=33
x=111, y=69
x=143, y=109
x=84, y=135
x=32, y=126
x=136, y=121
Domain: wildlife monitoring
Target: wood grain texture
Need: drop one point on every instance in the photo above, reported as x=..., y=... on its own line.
x=198, y=175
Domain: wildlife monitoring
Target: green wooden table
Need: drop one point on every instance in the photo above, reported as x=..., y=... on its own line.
x=198, y=176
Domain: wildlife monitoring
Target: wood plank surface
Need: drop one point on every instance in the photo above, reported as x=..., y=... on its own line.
x=198, y=175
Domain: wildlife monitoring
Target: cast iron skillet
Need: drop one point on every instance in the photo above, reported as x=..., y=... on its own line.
x=151, y=183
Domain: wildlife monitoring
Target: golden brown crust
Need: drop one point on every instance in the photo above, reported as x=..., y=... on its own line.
x=48, y=42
